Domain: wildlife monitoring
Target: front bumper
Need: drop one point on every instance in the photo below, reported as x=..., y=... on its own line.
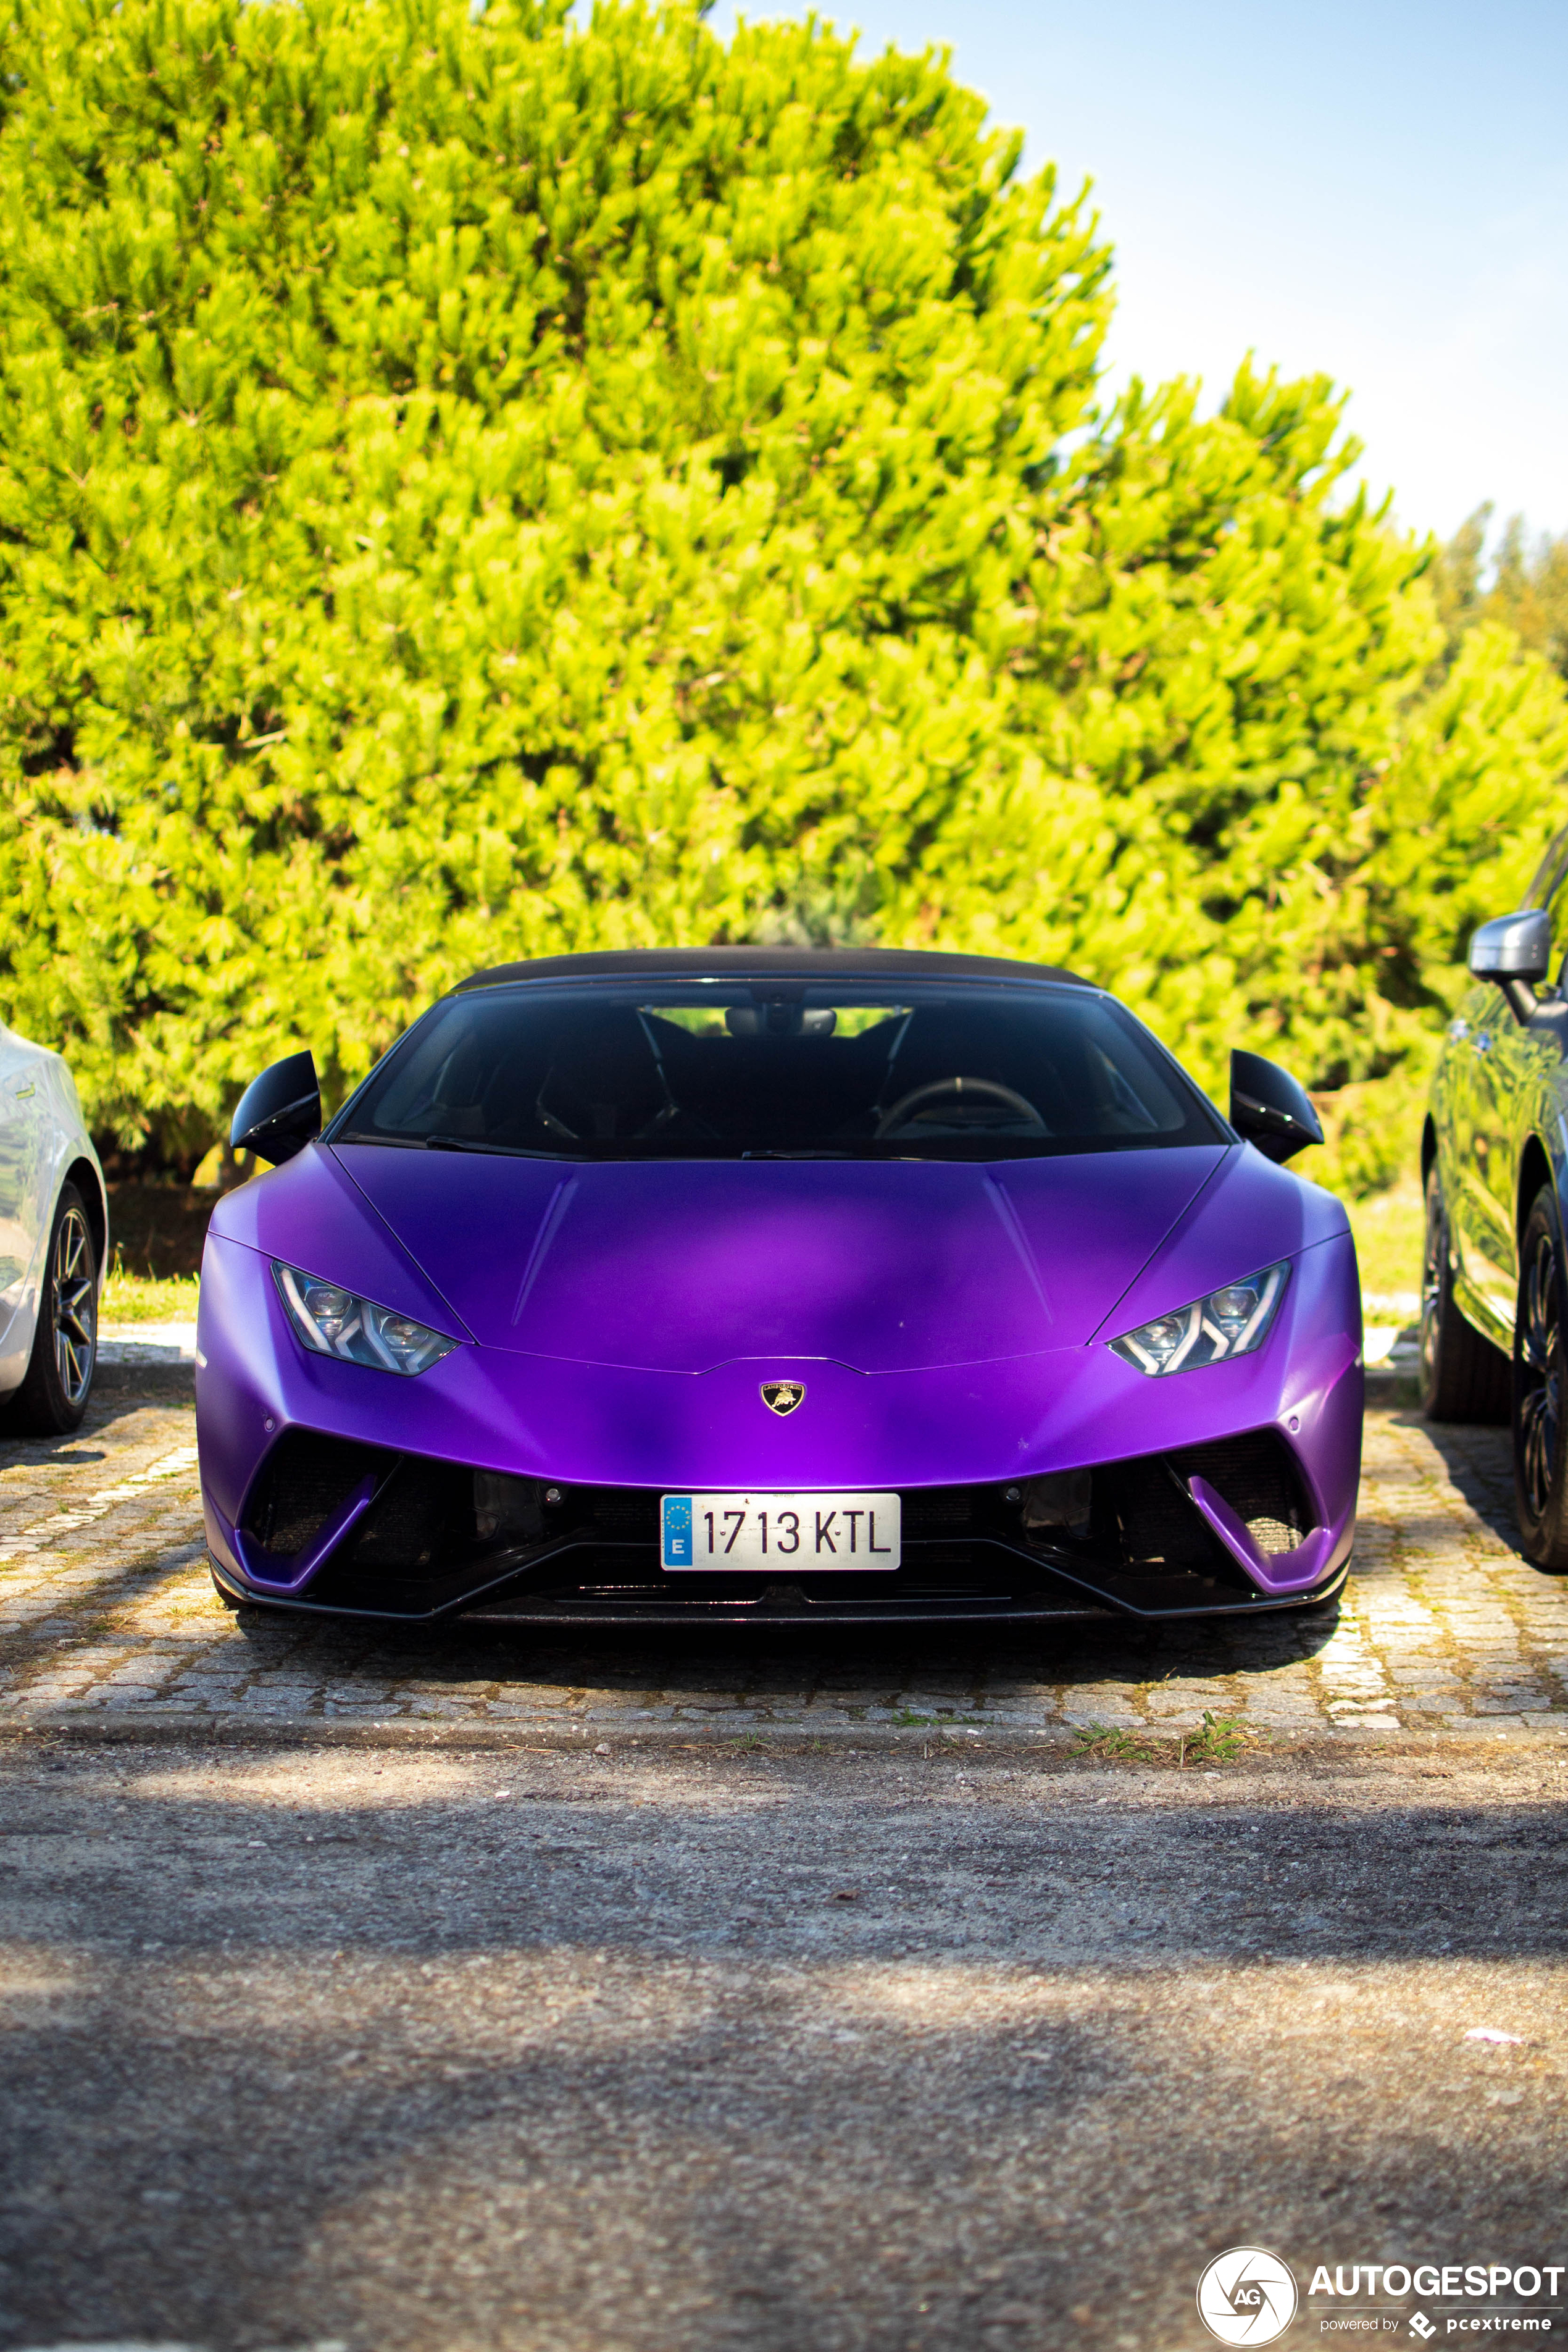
x=333, y=1527
x=331, y=1488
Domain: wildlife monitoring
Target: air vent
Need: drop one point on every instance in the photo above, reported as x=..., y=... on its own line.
x=303, y=1482
x=1259, y=1478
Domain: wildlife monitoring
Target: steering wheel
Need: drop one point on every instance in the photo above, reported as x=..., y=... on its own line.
x=910, y=1106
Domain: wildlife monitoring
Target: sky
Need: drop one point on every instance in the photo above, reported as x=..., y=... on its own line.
x=1376, y=191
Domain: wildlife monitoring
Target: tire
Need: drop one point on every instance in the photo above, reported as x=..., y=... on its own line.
x=52, y=1399
x=1463, y=1377
x=1540, y=1389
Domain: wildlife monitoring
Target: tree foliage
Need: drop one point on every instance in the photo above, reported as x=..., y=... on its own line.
x=1527, y=591
x=474, y=486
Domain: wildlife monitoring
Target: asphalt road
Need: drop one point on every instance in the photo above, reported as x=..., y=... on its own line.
x=772, y=2054
x=455, y=1995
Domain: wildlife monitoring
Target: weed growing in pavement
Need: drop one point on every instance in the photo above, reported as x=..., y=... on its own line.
x=1220, y=1739
x=1115, y=1747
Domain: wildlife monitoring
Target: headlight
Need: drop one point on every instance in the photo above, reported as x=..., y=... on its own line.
x=334, y=1322
x=1228, y=1322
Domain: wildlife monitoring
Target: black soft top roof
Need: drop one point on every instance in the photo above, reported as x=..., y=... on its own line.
x=772, y=963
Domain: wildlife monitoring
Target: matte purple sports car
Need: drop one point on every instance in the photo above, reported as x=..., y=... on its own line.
x=761, y=1285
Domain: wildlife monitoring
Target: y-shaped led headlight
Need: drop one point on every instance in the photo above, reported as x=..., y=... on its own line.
x=1228, y=1322
x=334, y=1322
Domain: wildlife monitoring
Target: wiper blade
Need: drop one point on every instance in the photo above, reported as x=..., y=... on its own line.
x=809, y=1152
x=445, y=1143
x=494, y=1150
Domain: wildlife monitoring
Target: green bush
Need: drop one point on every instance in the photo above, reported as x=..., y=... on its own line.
x=471, y=488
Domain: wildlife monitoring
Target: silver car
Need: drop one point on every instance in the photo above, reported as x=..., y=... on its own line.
x=54, y=1242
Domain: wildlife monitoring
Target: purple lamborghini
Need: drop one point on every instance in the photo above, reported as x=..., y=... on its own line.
x=759, y=1285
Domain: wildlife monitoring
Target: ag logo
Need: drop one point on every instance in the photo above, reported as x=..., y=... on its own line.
x=1247, y=2295
x=782, y=1396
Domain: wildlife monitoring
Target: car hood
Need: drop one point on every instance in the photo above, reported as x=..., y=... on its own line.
x=680, y=1266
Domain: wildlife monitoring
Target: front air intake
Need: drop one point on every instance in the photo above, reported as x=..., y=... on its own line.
x=303, y=1482
x=1258, y=1475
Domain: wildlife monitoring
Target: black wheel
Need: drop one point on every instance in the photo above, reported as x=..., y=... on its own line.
x=53, y=1396
x=1463, y=1376
x=1540, y=1427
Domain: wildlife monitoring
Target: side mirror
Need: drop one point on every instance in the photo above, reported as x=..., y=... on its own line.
x=280, y=1111
x=1514, y=951
x=1270, y=1108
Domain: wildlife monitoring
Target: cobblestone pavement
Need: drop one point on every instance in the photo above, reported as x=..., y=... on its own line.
x=107, y=1615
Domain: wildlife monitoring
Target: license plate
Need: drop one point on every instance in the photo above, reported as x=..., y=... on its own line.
x=777, y=1533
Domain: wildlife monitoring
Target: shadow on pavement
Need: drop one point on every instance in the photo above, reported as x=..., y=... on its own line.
x=788, y=1666
x=750, y=2057
x=1479, y=1459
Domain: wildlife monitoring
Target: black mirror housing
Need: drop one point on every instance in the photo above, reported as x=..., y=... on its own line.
x=1515, y=951
x=280, y=1111
x=1270, y=1108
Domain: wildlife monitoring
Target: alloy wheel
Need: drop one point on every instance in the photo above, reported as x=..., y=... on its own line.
x=1538, y=1401
x=74, y=1299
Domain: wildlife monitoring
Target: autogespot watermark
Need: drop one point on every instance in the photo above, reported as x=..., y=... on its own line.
x=1436, y=2283
x=1248, y=2294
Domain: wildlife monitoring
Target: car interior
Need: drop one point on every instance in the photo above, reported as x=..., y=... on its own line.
x=596, y=1072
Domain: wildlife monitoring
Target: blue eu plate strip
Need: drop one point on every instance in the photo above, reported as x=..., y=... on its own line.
x=676, y=1530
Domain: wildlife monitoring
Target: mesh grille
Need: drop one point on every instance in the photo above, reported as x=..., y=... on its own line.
x=304, y=1480
x=1141, y=1519
x=934, y=1511
x=1258, y=1476
x=423, y=1513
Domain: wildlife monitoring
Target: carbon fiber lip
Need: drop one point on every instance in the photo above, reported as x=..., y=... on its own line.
x=1082, y=1606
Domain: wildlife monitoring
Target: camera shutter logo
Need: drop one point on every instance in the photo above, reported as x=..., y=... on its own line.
x=1247, y=2295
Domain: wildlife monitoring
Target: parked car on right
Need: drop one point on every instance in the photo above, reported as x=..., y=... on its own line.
x=1494, y=1161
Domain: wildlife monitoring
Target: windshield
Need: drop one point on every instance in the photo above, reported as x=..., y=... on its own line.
x=723, y=1070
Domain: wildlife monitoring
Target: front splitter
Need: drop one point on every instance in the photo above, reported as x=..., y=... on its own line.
x=525, y=1610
